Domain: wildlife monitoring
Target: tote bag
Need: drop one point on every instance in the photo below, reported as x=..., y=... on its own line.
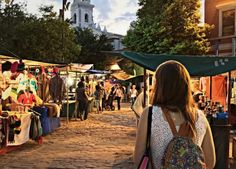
x=146, y=159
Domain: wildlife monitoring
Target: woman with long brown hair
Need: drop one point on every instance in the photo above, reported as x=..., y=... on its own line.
x=172, y=95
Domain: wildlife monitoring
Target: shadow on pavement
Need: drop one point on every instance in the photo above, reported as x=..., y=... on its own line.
x=123, y=163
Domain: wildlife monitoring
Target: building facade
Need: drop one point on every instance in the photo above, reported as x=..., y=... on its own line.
x=82, y=16
x=222, y=14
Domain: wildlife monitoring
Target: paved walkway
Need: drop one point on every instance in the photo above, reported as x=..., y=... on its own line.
x=103, y=141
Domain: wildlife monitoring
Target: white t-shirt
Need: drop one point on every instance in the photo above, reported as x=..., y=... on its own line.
x=133, y=93
x=138, y=105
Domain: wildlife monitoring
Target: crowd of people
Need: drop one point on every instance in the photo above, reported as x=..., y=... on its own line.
x=105, y=98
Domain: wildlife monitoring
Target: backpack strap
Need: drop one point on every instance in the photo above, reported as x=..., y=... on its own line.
x=149, y=129
x=171, y=123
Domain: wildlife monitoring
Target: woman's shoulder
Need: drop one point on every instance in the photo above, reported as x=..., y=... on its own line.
x=201, y=117
x=200, y=114
x=153, y=109
x=146, y=112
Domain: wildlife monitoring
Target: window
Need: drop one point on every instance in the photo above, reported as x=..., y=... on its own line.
x=228, y=22
x=74, y=19
x=86, y=18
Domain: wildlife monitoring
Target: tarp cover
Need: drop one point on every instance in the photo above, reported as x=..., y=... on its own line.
x=26, y=61
x=76, y=67
x=4, y=58
x=196, y=65
x=121, y=75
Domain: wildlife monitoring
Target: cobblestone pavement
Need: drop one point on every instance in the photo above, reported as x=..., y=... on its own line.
x=104, y=141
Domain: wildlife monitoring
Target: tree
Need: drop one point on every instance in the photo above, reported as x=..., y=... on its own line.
x=11, y=18
x=172, y=28
x=91, y=48
x=31, y=37
x=130, y=67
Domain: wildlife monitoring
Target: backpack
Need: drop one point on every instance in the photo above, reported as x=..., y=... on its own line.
x=182, y=152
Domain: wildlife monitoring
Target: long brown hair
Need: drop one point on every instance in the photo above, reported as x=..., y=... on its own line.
x=172, y=92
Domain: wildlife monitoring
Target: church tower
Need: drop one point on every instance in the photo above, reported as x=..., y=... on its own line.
x=82, y=14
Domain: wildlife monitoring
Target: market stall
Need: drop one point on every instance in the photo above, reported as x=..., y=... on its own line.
x=23, y=85
x=73, y=73
x=202, y=66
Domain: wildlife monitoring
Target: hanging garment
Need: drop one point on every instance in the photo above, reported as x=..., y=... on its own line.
x=36, y=130
x=41, y=81
x=26, y=98
x=53, y=109
x=2, y=135
x=7, y=75
x=46, y=94
x=43, y=87
x=33, y=85
x=219, y=89
x=23, y=82
x=4, y=131
x=23, y=136
x=57, y=88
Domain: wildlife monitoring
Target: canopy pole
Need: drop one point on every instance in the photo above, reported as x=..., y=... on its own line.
x=67, y=95
x=144, y=86
x=229, y=114
x=210, y=87
x=76, y=78
x=229, y=96
x=76, y=102
x=148, y=89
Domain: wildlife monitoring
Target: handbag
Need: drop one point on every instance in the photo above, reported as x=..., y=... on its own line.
x=146, y=159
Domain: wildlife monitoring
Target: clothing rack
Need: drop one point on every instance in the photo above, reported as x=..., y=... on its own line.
x=36, y=113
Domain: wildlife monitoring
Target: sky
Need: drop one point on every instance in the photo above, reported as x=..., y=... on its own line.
x=116, y=15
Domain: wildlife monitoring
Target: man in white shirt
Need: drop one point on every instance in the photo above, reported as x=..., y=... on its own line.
x=139, y=105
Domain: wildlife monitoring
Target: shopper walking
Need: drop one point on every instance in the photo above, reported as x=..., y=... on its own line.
x=172, y=96
x=82, y=98
x=119, y=95
x=133, y=94
x=139, y=104
x=98, y=94
x=104, y=95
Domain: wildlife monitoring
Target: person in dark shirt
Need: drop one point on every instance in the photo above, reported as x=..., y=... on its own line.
x=82, y=98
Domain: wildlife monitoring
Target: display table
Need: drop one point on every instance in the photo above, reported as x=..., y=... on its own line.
x=73, y=107
x=49, y=124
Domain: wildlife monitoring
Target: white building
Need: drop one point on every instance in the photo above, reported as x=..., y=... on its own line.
x=82, y=16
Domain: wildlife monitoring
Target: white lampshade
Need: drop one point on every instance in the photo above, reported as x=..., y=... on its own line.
x=115, y=67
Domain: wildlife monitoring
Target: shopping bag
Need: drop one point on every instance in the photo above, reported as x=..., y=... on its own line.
x=144, y=162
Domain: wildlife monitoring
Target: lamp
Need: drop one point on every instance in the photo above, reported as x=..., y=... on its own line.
x=115, y=67
x=70, y=81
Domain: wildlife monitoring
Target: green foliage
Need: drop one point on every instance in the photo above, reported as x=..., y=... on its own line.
x=130, y=67
x=46, y=38
x=47, y=12
x=172, y=28
x=91, y=48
